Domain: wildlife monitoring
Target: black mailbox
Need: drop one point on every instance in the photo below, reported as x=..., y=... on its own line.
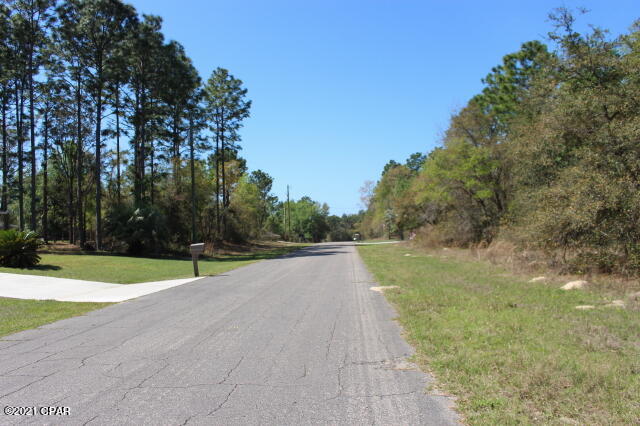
x=196, y=250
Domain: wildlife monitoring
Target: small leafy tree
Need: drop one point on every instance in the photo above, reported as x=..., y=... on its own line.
x=142, y=229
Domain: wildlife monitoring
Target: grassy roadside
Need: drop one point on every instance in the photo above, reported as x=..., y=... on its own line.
x=378, y=240
x=513, y=351
x=128, y=270
x=17, y=315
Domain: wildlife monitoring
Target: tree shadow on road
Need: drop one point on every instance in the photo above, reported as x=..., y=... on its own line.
x=320, y=250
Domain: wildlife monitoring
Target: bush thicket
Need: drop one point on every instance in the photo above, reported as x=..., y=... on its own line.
x=548, y=154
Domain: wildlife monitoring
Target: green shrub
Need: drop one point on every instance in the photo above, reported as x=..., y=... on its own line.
x=19, y=249
x=143, y=229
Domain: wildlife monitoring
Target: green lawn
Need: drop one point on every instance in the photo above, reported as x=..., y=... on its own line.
x=17, y=315
x=128, y=270
x=513, y=351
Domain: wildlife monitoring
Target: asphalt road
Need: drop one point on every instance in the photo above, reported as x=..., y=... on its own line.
x=296, y=340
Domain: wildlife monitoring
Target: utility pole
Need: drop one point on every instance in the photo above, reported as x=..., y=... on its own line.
x=288, y=214
x=284, y=222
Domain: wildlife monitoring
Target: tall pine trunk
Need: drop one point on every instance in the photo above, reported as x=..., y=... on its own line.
x=140, y=141
x=99, y=161
x=79, y=178
x=217, y=185
x=19, y=110
x=32, y=134
x=143, y=147
x=5, y=166
x=193, y=181
x=136, y=151
x=152, y=169
x=71, y=211
x=176, y=151
x=45, y=178
x=224, y=178
x=118, y=189
x=152, y=172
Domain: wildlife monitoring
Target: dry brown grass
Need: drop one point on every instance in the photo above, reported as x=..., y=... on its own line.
x=430, y=236
x=61, y=247
x=529, y=262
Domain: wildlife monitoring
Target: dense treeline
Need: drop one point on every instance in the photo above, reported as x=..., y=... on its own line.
x=111, y=140
x=547, y=156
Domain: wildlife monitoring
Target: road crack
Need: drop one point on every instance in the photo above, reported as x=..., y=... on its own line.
x=304, y=374
x=143, y=381
x=333, y=330
x=226, y=399
x=27, y=385
x=90, y=420
x=232, y=370
x=340, y=385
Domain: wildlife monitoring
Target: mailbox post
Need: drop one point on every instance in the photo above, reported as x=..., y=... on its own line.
x=196, y=250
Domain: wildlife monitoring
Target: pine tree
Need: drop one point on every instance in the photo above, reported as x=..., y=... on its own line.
x=227, y=107
x=5, y=98
x=35, y=18
x=99, y=26
x=144, y=46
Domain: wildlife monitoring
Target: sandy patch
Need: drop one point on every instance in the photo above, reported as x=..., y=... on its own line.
x=382, y=288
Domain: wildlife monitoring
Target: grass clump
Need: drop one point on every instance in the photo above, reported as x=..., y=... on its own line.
x=514, y=351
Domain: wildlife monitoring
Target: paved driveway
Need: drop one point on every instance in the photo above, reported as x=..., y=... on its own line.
x=40, y=287
x=296, y=340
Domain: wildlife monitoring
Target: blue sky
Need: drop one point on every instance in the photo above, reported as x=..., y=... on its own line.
x=341, y=87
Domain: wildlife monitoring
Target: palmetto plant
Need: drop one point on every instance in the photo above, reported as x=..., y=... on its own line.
x=19, y=249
